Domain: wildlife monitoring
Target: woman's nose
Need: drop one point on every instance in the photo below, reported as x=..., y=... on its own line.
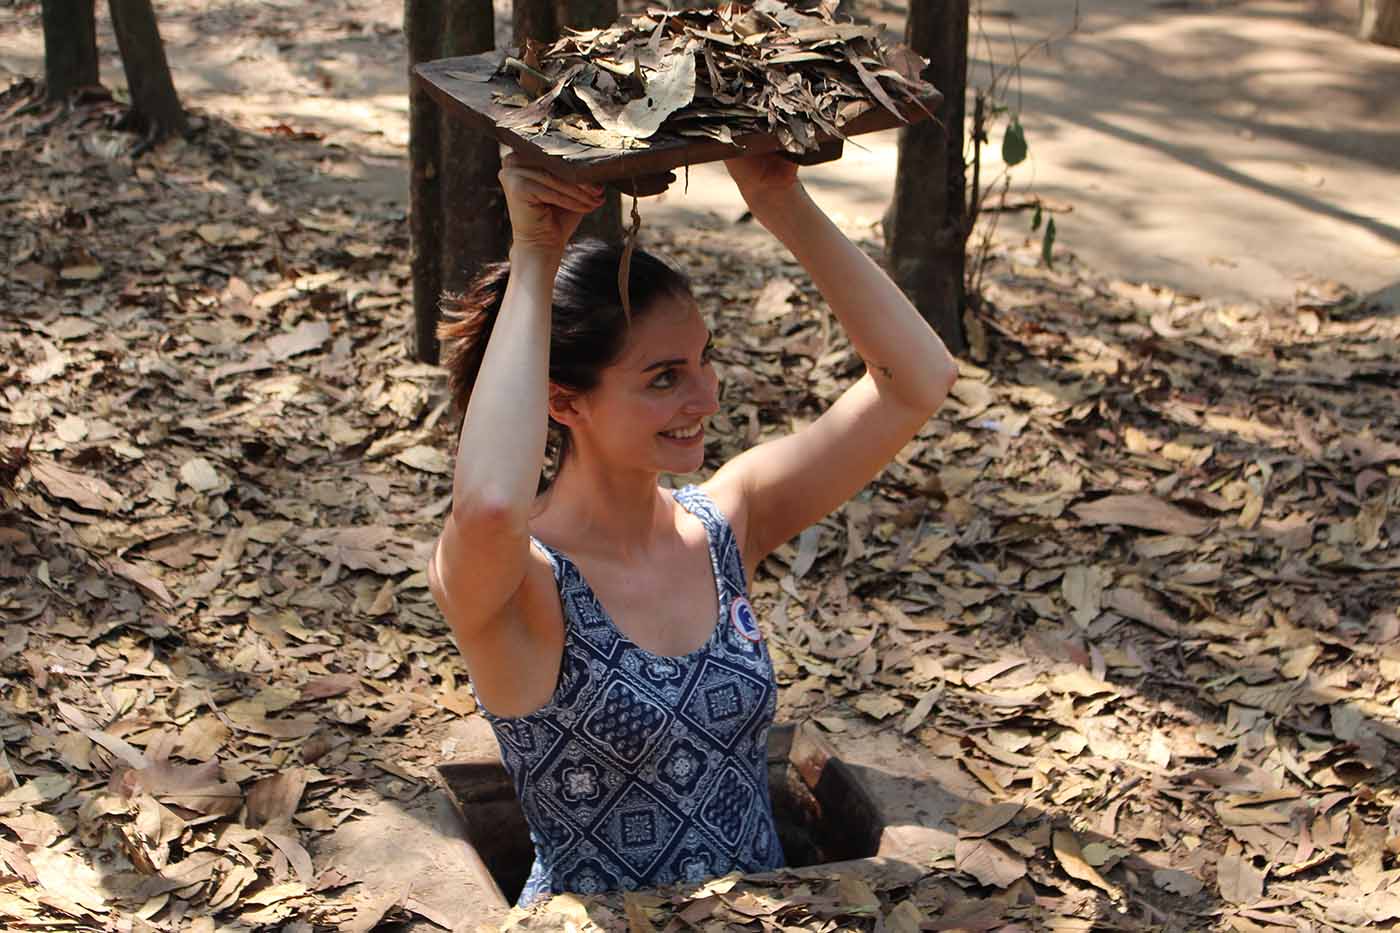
x=704, y=395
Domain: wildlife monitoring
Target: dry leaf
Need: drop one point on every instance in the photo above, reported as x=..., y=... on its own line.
x=1072, y=860
x=921, y=709
x=1080, y=682
x=1132, y=604
x=1083, y=589
x=199, y=474
x=427, y=459
x=305, y=337
x=1177, y=882
x=983, y=820
x=905, y=917
x=297, y=857
x=274, y=800
x=1238, y=880
x=878, y=706
x=142, y=577
x=1141, y=512
x=330, y=685
x=855, y=896
x=196, y=788
x=67, y=875
x=989, y=862
x=772, y=302
x=637, y=920
x=374, y=548
x=370, y=912
x=1159, y=750
x=1365, y=846
x=87, y=492
x=668, y=89
x=992, y=671
x=247, y=717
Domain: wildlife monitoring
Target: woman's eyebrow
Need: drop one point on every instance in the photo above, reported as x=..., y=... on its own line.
x=676, y=361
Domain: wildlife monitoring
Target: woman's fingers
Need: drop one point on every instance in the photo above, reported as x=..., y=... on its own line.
x=562, y=201
x=551, y=180
x=543, y=207
x=545, y=187
x=512, y=165
x=579, y=204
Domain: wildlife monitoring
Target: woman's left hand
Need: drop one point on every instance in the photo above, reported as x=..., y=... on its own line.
x=762, y=178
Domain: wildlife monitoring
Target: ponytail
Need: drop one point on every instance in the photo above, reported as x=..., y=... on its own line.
x=465, y=328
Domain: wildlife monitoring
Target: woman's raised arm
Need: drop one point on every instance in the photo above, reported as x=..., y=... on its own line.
x=789, y=483
x=482, y=553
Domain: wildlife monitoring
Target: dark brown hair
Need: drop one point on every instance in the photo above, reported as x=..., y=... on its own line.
x=588, y=326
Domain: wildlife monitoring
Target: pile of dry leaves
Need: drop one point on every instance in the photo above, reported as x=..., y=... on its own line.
x=1129, y=600
x=713, y=74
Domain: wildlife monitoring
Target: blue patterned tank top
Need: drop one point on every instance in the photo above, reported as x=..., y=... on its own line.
x=643, y=769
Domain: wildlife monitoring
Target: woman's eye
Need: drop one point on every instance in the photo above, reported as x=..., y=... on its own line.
x=664, y=381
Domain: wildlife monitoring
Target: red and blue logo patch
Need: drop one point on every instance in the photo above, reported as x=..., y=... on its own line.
x=741, y=614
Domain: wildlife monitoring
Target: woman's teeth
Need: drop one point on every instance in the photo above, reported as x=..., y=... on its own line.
x=682, y=434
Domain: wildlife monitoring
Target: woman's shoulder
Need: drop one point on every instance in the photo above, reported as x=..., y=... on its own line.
x=712, y=495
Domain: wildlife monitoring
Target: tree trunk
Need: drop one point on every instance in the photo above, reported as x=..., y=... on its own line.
x=605, y=222
x=925, y=226
x=541, y=20
x=70, y=47
x=1380, y=21
x=473, y=223
x=153, y=96
x=422, y=28
x=533, y=19
x=457, y=213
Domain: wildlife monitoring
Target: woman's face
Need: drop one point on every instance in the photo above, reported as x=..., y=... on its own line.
x=649, y=408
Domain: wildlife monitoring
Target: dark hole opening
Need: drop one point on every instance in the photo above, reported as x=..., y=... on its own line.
x=823, y=812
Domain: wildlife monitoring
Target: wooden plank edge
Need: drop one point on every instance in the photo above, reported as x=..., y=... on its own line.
x=676, y=152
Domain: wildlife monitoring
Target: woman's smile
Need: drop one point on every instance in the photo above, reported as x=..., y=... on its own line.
x=687, y=436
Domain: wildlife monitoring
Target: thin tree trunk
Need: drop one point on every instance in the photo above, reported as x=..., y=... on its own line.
x=70, y=47
x=540, y=20
x=422, y=27
x=1380, y=21
x=153, y=96
x=457, y=215
x=925, y=227
x=605, y=222
x=474, y=230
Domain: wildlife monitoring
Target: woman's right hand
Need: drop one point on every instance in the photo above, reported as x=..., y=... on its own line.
x=544, y=210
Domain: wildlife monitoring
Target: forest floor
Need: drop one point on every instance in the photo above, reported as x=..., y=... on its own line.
x=1130, y=599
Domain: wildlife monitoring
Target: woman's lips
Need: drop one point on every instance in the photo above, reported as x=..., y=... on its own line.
x=696, y=438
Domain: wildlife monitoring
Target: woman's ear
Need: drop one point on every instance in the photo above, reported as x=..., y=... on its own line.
x=564, y=405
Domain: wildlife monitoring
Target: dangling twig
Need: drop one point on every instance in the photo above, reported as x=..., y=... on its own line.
x=624, y=268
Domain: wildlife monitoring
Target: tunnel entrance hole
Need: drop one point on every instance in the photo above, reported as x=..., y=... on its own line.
x=823, y=812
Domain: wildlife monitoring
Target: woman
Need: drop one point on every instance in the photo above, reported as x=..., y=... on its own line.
x=604, y=621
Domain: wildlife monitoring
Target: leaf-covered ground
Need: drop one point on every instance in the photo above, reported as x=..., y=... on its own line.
x=1135, y=588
